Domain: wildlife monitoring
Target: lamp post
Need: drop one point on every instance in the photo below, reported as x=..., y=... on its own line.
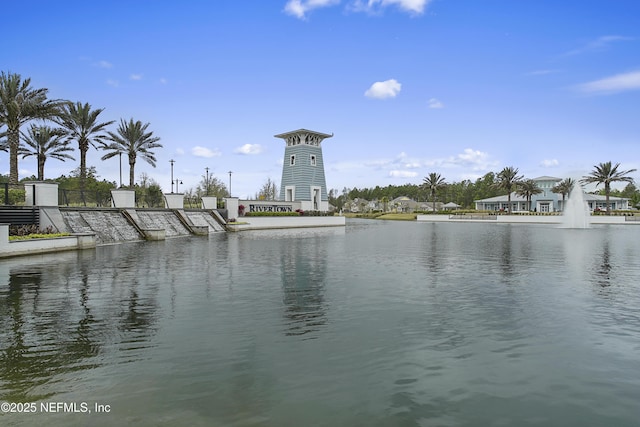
x=230, y=183
x=172, y=162
x=207, y=184
x=120, y=154
x=177, y=182
x=40, y=177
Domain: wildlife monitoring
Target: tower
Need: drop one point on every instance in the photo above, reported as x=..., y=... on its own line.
x=303, y=169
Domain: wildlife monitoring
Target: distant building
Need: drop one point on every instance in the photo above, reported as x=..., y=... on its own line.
x=547, y=201
x=303, y=177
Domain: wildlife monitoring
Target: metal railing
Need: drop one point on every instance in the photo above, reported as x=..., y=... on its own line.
x=149, y=199
x=84, y=198
x=476, y=217
x=12, y=195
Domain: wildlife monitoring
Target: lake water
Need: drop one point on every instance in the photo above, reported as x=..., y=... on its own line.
x=376, y=324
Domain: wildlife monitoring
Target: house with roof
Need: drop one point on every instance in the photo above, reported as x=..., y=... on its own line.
x=598, y=202
x=547, y=200
x=404, y=204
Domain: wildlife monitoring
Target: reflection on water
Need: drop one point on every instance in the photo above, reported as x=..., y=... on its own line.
x=378, y=324
x=57, y=318
x=303, y=268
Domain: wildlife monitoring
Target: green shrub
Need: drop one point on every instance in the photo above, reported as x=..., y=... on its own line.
x=29, y=229
x=272, y=214
x=38, y=236
x=16, y=196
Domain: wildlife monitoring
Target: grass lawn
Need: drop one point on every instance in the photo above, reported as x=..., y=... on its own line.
x=378, y=215
x=399, y=216
x=38, y=236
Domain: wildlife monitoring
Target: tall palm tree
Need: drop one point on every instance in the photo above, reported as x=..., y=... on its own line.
x=605, y=173
x=564, y=187
x=44, y=142
x=528, y=188
x=133, y=139
x=82, y=126
x=20, y=103
x=432, y=184
x=384, y=200
x=508, y=179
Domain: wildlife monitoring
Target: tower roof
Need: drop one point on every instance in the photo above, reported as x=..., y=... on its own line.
x=303, y=131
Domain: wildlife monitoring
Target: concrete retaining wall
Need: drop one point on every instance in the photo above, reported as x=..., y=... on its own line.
x=36, y=246
x=526, y=219
x=269, y=222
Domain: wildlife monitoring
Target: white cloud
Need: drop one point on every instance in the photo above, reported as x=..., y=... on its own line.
x=204, y=152
x=541, y=72
x=601, y=43
x=300, y=8
x=470, y=159
x=135, y=76
x=614, y=84
x=179, y=151
x=469, y=164
x=249, y=149
x=103, y=64
x=412, y=6
x=549, y=163
x=113, y=83
x=382, y=90
x=402, y=174
x=435, y=103
x=164, y=81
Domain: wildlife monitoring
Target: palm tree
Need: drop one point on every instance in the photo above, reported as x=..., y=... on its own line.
x=44, y=142
x=564, y=187
x=384, y=200
x=527, y=189
x=605, y=173
x=508, y=179
x=432, y=184
x=81, y=124
x=20, y=103
x=132, y=138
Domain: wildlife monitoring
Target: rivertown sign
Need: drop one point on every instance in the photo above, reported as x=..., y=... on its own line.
x=270, y=208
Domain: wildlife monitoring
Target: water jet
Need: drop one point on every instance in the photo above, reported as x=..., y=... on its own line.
x=576, y=213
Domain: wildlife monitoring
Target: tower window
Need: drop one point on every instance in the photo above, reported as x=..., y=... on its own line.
x=292, y=160
x=312, y=160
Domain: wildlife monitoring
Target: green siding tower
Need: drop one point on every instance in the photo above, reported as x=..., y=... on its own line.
x=303, y=170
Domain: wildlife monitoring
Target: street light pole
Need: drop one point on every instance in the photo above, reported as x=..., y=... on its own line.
x=230, y=183
x=207, y=185
x=120, y=154
x=172, y=162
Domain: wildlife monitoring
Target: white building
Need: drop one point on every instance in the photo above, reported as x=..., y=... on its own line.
x=547, y=201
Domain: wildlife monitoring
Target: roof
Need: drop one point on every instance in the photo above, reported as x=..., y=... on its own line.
x=599, y=198
x=402, y=199
x=547, y=178
x=295, y=132
x=504, y=198
x=451, y=205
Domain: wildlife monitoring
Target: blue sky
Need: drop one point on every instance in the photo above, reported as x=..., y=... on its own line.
x=408, y=87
